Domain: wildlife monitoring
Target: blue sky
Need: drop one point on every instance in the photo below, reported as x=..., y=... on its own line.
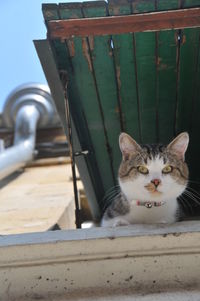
x=21, y=22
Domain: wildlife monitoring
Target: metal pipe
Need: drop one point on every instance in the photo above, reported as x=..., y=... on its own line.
x=28, y=107
x=17, y=156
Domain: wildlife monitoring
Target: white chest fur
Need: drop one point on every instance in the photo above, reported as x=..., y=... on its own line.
x=142, y=215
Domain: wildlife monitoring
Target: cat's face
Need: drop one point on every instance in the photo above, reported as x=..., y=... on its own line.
x=153, y=172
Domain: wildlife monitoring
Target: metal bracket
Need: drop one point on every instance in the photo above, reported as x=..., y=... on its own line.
x=81, y=153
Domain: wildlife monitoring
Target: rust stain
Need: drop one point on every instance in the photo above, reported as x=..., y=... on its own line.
x=91, y=42
x=159, y=59
x=70, y=44
x=118, y=76
x=86, y=53
x=181, y=38
x=184, y=39
x=117, y=110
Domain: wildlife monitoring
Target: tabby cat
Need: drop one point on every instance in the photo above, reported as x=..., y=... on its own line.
x=151, y=178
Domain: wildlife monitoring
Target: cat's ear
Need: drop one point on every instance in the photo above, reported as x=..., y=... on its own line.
x=127, y=145
x=179, y=145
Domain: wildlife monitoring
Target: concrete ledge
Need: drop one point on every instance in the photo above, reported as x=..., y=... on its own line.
x=140, y=259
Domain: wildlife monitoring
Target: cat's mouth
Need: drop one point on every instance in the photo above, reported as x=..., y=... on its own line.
x=152, y=189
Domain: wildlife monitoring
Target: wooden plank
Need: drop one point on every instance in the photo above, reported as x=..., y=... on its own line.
x=188, y=100
x=189, y=48
x=187, y=68
x=88, y=99
x=145, y=57
x=192, y=102
x=164, y=20
x=123, y=50
x=104, y=73
x=63, y=55
x=86, y=164
x=166, y=73
x=194, y=127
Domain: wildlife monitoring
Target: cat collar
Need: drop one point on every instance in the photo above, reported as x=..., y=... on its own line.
x=149, y=204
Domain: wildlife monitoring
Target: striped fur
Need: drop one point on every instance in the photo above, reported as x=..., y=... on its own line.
x=136, y=186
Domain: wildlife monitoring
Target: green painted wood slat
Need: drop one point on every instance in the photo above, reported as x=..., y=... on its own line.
x=88, y=96
x=126, y=73
x=166, y=65
x=145, y=50
x=104, y=73
x=188, y=97
x=64, y=63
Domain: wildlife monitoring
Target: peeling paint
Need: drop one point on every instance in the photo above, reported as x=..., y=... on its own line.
x=183, y=39
x=159, y=59
x=180, y=38
x=70, y=44
x=91, y=42
x=118, y=76
x=86, y=53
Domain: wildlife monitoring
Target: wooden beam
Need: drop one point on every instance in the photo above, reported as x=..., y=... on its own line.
x=155, y=21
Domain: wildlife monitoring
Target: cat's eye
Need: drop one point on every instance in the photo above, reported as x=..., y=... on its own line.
x=142, y=169
x=167, y=169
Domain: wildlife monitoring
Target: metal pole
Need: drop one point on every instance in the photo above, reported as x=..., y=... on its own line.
x=70, y=140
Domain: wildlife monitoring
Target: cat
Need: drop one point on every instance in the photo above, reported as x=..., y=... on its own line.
x=151, y=178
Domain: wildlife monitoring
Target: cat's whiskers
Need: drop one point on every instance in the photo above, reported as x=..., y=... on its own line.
x=194, y=182
x=110, y=198
x=187, y=193
x=110, y=195
x=194, y=191
x=194, y=194
x=185, y=202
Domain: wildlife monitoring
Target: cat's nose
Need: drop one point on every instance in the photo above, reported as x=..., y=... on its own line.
x=156, y=182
